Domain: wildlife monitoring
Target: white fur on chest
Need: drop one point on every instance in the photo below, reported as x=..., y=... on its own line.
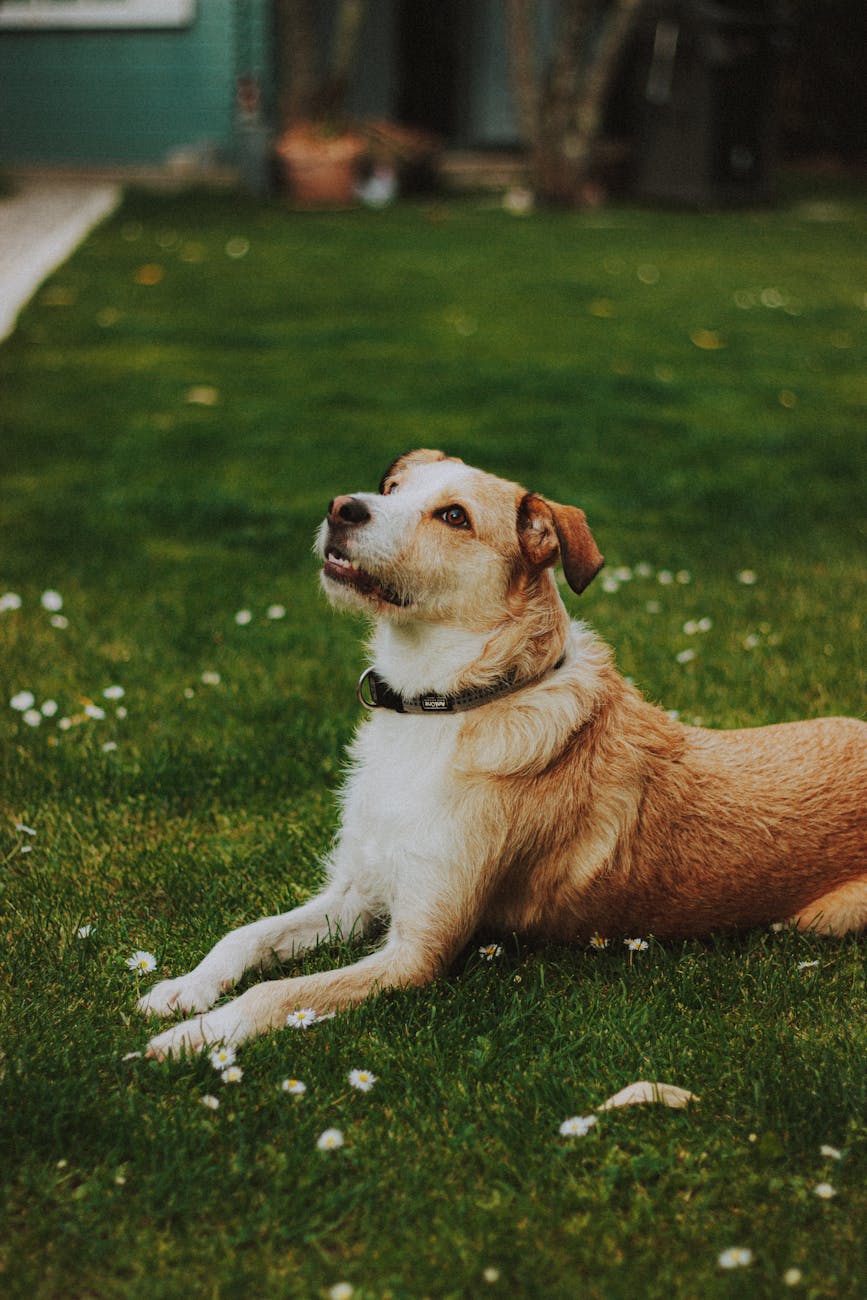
x=398, y=816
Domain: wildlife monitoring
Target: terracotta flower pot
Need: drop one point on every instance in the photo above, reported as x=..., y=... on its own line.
x=320, y=170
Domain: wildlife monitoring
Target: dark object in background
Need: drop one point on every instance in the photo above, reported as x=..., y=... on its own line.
x=709, y=74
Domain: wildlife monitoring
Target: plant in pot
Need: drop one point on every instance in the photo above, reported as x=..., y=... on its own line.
x=319, y=153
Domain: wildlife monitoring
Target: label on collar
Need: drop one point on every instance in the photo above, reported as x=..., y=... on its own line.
x=435, y=704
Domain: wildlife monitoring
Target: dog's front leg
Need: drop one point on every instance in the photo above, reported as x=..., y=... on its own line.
x=338, y=910
x=404, y=959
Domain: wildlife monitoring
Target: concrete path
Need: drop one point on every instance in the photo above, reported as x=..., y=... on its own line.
x=41, y=224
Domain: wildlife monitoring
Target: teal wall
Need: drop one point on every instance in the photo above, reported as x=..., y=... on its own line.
x=128, y=97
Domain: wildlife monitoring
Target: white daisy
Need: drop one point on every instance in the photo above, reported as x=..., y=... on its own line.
x=491, y=950
x=9, y=600
x=330, y=1140
x=341, y=1291
x=824, y=1191
x=22, y=701
x=735, y=1257
x=222, y=1057
x=294, y=1087
x=243, y=617
x=210, y=679
x=577, y=1126
x=830, y=1153
x=60, y=621
x=52, y=601
x=685, y=656
x=32, y=717
x=302, y=1019
x=636, y=945
x=210, y=1101
x=276, y=611
x=596, y=941
x=793, y=1277
x=234, y=1074
x=48, y=708
x=142, y=962
x=84, y=931
x=362, y=1080
x=114, y=693
x=95, y=712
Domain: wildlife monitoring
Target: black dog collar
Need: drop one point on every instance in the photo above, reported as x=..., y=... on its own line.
x=375, y=693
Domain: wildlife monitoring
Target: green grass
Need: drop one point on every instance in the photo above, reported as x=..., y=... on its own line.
x=562, y=350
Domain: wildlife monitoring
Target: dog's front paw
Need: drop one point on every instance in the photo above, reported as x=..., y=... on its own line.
x=192, y=992
x=227, y=1025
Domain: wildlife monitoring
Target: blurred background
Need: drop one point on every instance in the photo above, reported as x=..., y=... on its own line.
x=677, y=101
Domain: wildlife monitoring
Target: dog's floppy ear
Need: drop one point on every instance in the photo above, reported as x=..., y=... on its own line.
x=547, y=530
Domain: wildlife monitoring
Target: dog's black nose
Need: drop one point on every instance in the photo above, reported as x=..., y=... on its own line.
x=348, y=510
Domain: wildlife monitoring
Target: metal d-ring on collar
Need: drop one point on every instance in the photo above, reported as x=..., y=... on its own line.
x=375, y=693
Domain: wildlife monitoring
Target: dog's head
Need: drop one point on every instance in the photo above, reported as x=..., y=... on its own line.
x=443, y=541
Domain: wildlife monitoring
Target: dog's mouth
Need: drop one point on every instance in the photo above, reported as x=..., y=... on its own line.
x=341, y=569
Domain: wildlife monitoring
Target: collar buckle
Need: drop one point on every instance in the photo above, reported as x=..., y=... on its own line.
x=368, y=679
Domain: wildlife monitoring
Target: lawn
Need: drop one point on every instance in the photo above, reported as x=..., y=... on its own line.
x=178, y=406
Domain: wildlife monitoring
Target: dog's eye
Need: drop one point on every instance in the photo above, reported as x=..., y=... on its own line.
x=454, y=516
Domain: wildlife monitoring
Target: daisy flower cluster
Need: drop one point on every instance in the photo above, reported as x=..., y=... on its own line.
x=614, y=577
x=223, y=1060
x=742, y=1256
x=735, y=1257
x=598, y=943
x=105, y=703
x=244, y=617
x=51, y=601
x=34, y=714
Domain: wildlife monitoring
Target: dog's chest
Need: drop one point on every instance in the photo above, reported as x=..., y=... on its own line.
x=397, y=800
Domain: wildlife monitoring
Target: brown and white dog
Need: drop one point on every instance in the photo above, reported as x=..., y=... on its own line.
x=508, y=779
